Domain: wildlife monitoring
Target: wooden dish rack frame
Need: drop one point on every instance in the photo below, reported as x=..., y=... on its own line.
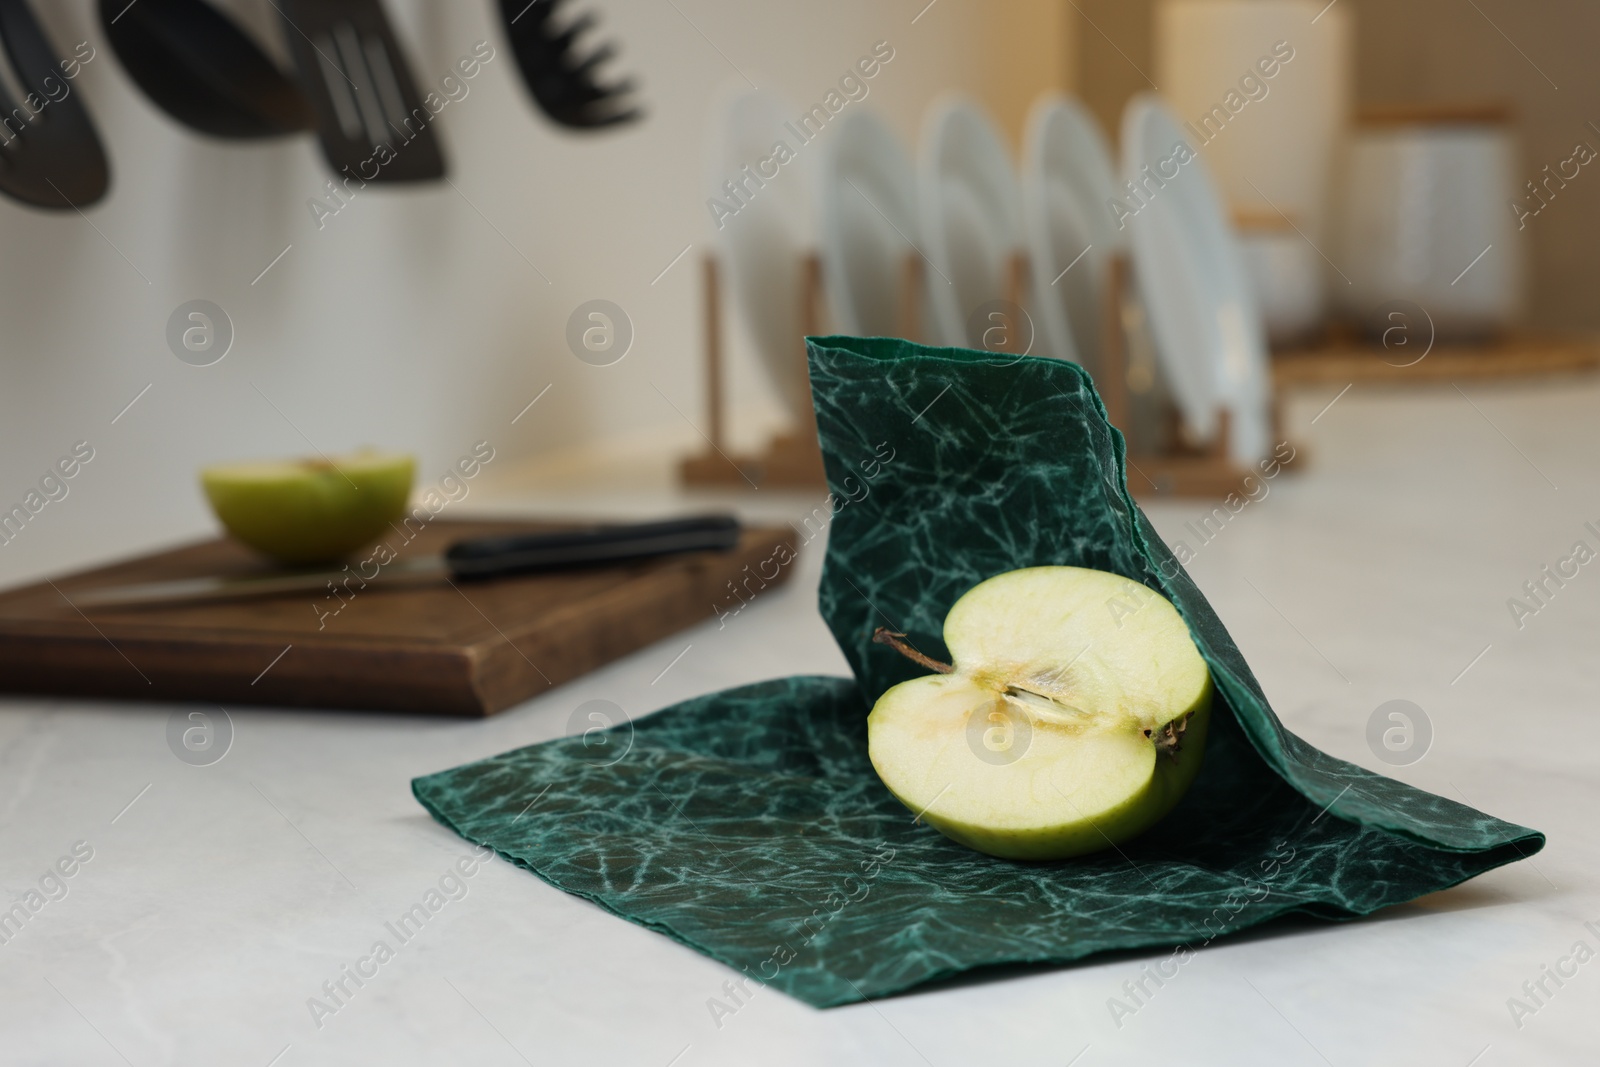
x=792, y=460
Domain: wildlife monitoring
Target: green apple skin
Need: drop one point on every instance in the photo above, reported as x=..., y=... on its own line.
x=311, y=511
x=1106, y=664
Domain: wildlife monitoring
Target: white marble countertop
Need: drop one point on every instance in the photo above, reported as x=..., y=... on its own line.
x=218, y=899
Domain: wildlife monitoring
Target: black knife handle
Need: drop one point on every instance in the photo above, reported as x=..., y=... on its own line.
x=491, y=557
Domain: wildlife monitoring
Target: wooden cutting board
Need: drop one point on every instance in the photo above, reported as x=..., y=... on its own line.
x=472, y=648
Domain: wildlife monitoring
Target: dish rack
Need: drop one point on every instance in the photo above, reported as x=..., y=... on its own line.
x=792, y=460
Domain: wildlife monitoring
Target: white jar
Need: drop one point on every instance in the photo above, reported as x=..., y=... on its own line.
x=1264, y=87
x=1425, y=218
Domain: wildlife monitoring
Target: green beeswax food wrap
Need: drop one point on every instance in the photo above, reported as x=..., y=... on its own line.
x=750, y=826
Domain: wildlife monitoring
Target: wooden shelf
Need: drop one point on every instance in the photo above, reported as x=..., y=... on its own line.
x=1343, y=361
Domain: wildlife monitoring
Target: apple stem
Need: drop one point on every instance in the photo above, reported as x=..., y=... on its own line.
x=885, y=636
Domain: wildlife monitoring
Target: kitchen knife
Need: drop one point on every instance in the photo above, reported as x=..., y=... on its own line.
x=472, y=559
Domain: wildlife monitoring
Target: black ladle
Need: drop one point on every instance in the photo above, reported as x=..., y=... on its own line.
x=203, y=69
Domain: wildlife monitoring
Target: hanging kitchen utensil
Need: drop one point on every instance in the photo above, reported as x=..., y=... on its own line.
x=370, y=117
x=203, y=69
x=50, y=155
x=562, y=84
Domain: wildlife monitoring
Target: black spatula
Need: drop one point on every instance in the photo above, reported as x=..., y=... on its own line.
x=50, y=155
x=203, y=69
x=369, y=114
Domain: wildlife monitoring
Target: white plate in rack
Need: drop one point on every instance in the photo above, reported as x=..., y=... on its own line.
x=868, y=225
x=1208, y=332
x=970, y=223
x=765, y=242
x=1067, y=184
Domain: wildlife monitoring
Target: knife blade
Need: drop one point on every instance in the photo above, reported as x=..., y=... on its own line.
x=471, y=559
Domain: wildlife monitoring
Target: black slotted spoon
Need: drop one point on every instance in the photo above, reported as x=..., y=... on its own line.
x=203, y=69
x=562, y=83
x=50, y=157
x=370, y=117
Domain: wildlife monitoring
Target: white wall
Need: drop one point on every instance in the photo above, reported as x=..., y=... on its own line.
x=409, y=321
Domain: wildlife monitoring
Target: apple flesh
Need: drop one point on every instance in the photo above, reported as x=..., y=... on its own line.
x=1072, y=719
x=310, y=511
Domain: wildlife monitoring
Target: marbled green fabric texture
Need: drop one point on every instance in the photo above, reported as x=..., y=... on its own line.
x=749, y=824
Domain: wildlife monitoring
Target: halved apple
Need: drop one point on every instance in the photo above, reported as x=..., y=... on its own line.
x=309, y=511
x=1073, y=718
